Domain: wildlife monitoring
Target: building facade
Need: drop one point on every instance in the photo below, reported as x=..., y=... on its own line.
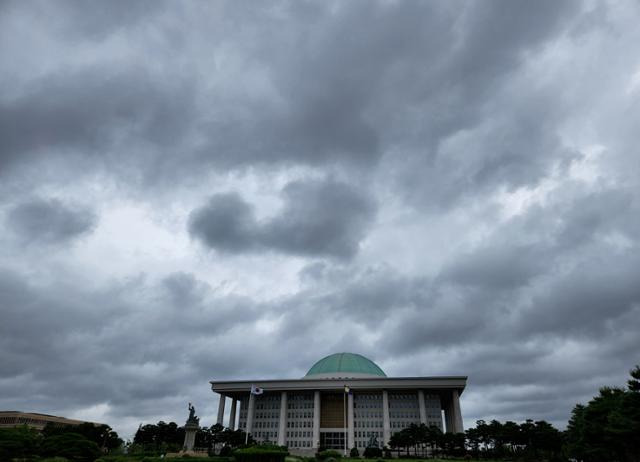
x=344, y=401
x=10, y=419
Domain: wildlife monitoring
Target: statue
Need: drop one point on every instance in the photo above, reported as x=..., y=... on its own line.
x=190, y=429
x=193, y=418
x=373, y=442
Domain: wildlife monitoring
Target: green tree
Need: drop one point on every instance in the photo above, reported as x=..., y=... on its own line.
x=72, y=446
x=232, y=438
x=432, y=438
x=160, y=437
x=20, y=442
x=607, y=428
x=102, y=435
x=400, y=440
x=473, y=441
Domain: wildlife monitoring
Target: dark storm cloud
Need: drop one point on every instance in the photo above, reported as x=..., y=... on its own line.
x=226, y=223
x=49, y=221
x=318, y=218
x=336, y=93
x=426, y=114
x=499, y=267
x=595, y=294
x=87, y=20
x=74, y=351
x=89, y=113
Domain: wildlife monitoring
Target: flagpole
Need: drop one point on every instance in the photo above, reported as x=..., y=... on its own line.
x=344, y=408
x=246, y=420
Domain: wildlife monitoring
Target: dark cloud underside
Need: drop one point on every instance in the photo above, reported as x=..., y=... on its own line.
x=193, y=191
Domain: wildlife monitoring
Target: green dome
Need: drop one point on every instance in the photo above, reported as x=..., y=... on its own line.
x=345, y=365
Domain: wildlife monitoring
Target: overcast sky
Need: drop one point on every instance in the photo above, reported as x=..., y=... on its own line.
x=194, y=190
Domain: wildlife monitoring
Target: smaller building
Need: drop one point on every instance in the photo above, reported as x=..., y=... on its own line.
x=10, y=419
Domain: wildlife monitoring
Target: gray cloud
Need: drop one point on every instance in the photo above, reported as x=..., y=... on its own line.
x=318, y=218
x=478, y=213
x=92, y=113
x=226, y=222
x=49, y=221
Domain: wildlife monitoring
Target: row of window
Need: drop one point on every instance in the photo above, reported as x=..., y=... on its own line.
x=403, y=424
x=267, y=424
x=362, y=437
x=299, y=444
x=298, y=424
x=367, y=423
x=303, y=405
x=403, y=405
x=403, y=415
x=267, y=406
x=367, y=405
x=356, y=415
x=267, y=415
x=357, y=423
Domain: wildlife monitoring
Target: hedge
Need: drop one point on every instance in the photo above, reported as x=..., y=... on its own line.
x=264, y=453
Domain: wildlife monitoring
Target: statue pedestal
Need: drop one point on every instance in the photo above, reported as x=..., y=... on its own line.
x=190, y=430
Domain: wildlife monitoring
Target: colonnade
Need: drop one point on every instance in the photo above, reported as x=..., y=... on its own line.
x=452, y=415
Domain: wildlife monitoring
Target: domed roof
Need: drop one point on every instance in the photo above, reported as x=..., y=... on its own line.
x=344, y=365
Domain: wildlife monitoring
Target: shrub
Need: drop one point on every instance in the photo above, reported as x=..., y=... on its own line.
x=262, y=453
x=19, y=442
x=354, y=452
x=71, y=446
x=372, y=452
x=225, y=451
x=329, y=453
x=55, y=459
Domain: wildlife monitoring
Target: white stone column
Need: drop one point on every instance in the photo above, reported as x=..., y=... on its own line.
x=282, y=428
x=350, y=429
x=458, y=427
x=423, y=409
x=232, y=414
x=316, y=420
x=221, y=410
x=448, y=420
x=386, y=425
x=250, y=410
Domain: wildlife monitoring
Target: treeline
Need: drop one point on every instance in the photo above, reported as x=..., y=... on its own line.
x=605, y=429
x=84, y=442
x=168, y=437
x=608, y=427
x=494, y=440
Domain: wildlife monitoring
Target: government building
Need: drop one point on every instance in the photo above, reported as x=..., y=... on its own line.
x=344, y=401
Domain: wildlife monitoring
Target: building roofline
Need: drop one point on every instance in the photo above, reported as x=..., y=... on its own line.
x=58, y=419
x=313, y=379
x=441, y=385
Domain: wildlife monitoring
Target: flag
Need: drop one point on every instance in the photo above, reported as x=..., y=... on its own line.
x=256, y=390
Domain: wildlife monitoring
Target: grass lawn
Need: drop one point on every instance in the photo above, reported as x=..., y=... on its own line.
x=288, y=459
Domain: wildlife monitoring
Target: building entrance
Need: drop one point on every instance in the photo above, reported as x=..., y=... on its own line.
x=332, y=440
